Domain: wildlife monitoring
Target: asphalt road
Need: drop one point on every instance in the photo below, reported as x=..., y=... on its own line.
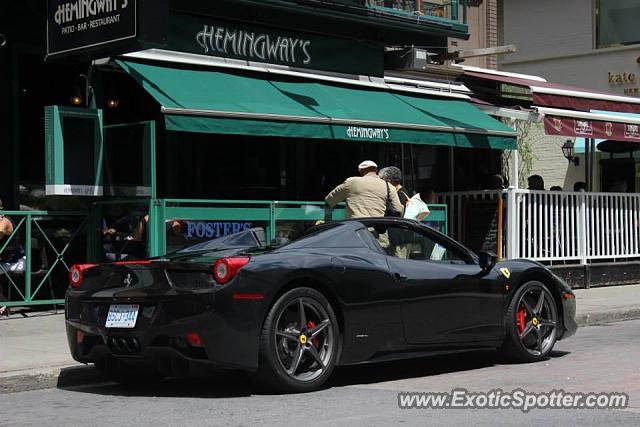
x=598, y=358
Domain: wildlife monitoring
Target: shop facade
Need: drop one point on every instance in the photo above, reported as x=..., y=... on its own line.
x=172, y=126
x=600, y=37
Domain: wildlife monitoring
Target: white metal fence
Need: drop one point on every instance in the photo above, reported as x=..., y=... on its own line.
x=555, y=226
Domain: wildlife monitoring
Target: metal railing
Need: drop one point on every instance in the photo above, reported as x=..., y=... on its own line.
x=439, y=9
x=44, y=245
x=555, y=226
x=50, y=242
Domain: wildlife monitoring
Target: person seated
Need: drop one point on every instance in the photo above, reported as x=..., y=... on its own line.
x=125, y=237
x=12, y=257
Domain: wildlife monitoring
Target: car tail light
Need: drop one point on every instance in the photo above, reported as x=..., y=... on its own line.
x=194, y=340
x=226, y=269
x=76, y=274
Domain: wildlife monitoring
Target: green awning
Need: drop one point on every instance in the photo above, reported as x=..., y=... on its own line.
x=208, y=100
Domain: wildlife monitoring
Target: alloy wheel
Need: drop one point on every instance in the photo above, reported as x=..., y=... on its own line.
x=304, y=338
x=536, y=320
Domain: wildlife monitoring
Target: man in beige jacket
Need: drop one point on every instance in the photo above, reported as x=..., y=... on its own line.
x=366, y=195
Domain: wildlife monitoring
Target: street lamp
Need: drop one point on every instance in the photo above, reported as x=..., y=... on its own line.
x=568, y=150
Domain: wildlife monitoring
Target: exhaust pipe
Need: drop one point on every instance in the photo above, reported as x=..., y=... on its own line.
x=124, y=345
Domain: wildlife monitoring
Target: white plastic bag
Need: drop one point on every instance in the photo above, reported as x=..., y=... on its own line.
x=416, y=209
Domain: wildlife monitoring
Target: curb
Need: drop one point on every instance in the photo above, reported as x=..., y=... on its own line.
x=592, y=319
x=60, y=377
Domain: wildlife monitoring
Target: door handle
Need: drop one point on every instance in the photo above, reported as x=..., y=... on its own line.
x=399, y=276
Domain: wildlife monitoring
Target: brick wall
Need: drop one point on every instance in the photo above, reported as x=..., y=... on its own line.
x=549, y=162
x=483, y=33
x=491, y=34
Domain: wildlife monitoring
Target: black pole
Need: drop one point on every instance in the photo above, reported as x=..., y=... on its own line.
x=587, y=160
x=592, y=149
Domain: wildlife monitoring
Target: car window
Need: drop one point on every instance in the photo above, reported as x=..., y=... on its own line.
x=405, y=243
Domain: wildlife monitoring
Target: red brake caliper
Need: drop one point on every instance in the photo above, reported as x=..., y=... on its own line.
x=310, y=325
x=521, y=318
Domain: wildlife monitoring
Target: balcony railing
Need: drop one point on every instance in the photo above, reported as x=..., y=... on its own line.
x=449, y=11
x=438, y=9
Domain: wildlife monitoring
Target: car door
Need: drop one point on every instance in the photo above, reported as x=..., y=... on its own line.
x=447, y=297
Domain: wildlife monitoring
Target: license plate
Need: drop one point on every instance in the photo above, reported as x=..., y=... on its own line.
x=122, y=316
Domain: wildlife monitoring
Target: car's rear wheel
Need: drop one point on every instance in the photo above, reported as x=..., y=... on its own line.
x=531, y=323
x=300, y=342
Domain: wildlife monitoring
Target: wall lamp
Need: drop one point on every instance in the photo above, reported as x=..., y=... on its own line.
x=82, y=91
x=568, y=150
x=3, y=40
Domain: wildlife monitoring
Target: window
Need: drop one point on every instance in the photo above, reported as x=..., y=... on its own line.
x=407, y=244
x=617, y=23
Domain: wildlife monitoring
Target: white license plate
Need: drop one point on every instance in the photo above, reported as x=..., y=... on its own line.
x=122, y=316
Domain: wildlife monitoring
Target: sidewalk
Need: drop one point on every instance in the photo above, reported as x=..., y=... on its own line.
x=34, y=352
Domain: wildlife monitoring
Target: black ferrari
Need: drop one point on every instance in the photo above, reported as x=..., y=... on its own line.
x=347, y=292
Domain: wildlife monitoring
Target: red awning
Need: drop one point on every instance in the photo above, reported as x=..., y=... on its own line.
x=590, y=125
x=556, y=95
x=563, y=126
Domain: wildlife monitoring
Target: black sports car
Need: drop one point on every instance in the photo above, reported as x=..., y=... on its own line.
x=348, y=292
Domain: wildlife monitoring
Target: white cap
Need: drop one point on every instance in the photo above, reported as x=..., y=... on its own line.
x=367, y=164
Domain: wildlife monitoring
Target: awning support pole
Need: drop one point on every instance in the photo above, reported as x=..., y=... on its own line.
x=512, y=226
x=515, y=173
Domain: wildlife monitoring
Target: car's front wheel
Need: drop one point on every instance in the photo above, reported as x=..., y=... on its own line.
x=300, y=342
x=531, y=322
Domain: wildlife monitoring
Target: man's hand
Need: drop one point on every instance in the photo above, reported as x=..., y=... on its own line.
x=109, y=232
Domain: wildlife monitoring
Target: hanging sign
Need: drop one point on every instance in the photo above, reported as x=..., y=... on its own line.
x=80, y=24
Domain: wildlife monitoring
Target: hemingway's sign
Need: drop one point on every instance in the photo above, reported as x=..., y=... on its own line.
x=229, y=39
x=225, y=41
x=73, y=25
x=356, y=132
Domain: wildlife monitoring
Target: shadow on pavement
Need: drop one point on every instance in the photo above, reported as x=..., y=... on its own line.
x=237, y=384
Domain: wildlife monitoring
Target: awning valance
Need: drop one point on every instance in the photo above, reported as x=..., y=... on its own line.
x=210, y=100
x=590, y=125
x=548, y=94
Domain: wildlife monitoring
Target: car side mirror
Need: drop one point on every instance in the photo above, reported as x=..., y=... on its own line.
x=486, y=260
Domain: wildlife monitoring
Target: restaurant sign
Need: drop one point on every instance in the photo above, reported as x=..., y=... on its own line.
x=74, y=25
x=617, y=131
x=226, y=39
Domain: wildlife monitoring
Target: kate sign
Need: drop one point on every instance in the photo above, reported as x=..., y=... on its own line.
x=74, y=25
x=617, y=131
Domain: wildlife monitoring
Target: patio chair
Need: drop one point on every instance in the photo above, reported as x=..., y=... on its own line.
x=40, y=260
